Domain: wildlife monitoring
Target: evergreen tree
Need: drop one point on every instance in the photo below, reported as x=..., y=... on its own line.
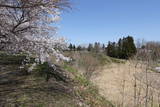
x=128, y=47
x=70, y=47
x=131, y=46
x=90, y=47
x=110, y=49
x=124, y=49
x=120, y=52
x=97, y=47
x=114, y=50
x=74, y=48
x=103, y=47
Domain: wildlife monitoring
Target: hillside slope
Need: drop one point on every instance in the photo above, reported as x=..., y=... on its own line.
x=21, y=89
x=18, y=89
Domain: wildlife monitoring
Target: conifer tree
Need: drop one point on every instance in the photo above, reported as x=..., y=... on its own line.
x=97, y=47
x=103, y=47
x=124, y=49
x=70, y=47
x=90, y=47
x=74, y=48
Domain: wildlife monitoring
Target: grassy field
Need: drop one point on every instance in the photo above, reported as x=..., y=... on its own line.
x=117, y=84
x=95, y=80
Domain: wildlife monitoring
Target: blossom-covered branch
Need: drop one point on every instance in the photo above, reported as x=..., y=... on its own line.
x=26, y=26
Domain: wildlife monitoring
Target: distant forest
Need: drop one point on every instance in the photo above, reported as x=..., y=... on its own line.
x=123, y=49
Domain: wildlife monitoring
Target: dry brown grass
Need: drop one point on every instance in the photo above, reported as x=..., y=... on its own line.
x=116, y=83
x=86, y=63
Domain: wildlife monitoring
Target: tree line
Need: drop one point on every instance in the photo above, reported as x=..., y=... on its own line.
x=96, y=47
x=123, y=49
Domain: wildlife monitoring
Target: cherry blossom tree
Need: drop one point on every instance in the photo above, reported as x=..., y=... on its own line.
x=27, y=26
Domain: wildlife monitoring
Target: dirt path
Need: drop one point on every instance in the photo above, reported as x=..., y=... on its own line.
x=116, y=82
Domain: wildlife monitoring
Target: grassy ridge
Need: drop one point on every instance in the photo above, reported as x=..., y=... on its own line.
x=31, y=90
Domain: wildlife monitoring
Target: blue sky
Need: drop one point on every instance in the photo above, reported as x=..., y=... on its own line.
x=108, y=20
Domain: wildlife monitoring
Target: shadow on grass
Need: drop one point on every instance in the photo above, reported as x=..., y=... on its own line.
x=18, y=89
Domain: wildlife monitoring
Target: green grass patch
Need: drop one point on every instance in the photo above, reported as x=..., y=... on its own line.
x=69, y=68
x=79, y=78
x=6, y=58
x=87, y=91
x=115, y=60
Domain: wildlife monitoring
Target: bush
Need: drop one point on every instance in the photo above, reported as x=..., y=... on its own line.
x=87, y=62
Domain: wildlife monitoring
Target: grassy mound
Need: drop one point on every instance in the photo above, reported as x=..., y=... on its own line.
x=18, y=88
